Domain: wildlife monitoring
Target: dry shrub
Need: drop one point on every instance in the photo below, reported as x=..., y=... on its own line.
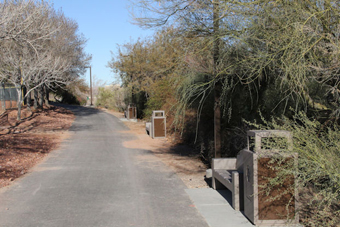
x=318, y=148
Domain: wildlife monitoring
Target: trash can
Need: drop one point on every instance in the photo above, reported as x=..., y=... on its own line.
x=131, y=112
x=158, y=124
x=260, y=207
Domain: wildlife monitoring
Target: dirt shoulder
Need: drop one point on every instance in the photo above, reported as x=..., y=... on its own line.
x=180, y=158
x=26, y=143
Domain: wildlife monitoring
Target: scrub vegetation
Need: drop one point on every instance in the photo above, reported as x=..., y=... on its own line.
x=232, y=60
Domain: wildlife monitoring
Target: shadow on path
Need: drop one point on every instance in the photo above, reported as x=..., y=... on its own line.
x=78, y=110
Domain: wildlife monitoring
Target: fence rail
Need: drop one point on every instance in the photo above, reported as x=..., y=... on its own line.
x=8, y=96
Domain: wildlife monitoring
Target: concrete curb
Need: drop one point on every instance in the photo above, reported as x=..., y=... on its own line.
x=215, y=207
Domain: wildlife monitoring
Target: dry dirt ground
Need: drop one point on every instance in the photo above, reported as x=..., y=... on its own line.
x=180, y=158
x=24, y=144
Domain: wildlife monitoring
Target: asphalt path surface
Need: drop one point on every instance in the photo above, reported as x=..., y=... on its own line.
x=93, y=180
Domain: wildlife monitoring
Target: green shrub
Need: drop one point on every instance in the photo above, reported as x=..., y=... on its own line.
x=161, y=90
x=111, y=98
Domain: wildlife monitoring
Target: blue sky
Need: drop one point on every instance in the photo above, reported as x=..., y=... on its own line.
x=106, y=24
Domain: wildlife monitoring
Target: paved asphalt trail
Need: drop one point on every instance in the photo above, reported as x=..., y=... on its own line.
x=93, y=180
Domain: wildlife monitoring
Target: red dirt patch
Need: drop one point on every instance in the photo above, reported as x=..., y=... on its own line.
x=25, y=143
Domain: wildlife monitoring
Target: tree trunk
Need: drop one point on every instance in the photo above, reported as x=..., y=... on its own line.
x=28, y=100
x=217, y=119
x=19, y=111
x=41, y=96
x=35, y=98
x=218, y=85
x=19, y=104
x=46, y=92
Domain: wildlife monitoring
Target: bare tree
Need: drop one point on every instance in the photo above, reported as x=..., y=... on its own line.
x=40, y=47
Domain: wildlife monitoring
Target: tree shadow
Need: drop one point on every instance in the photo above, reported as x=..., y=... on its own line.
x=19, y=143
x=30, y=124
x=78, y=110
x=19, y=152
x=80, y=127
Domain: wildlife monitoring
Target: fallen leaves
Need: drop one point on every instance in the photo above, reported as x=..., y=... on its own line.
x=24, y=144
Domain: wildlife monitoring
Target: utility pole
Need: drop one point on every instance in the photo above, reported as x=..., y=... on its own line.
x=91, y=84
